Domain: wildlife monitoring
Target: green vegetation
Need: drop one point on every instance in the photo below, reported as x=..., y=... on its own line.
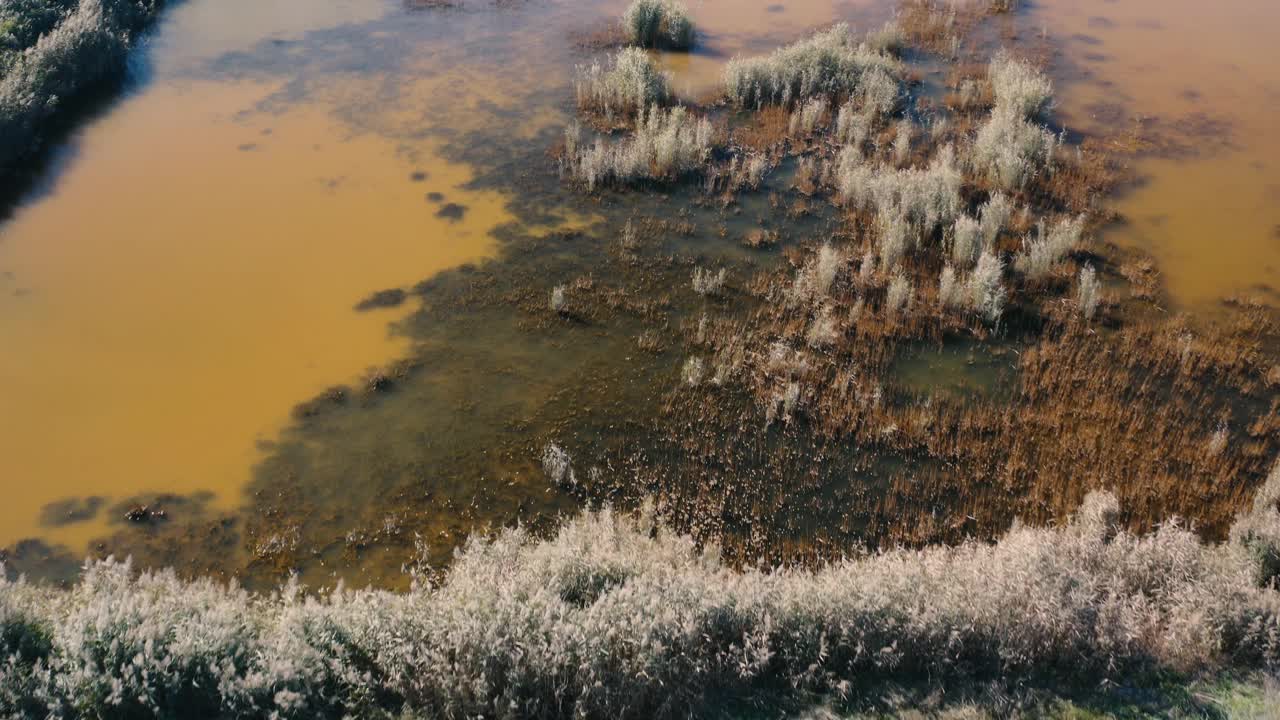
x=53, y=52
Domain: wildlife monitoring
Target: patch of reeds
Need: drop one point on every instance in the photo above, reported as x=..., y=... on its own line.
x=658, y=24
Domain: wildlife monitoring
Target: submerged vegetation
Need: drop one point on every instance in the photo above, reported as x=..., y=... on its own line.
x=52, y=54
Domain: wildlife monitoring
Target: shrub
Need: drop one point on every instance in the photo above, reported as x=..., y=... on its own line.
x=617, y=616
x=45, y=76
x=828, y=64
x=1010, y=151
x=631, y=84
x=658, y=23
x=1019, y=87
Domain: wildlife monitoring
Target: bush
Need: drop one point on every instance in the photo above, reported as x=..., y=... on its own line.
x=616, y=616
x=828, y=64
x=658, y=23
x=83, y=51
x=630, y=85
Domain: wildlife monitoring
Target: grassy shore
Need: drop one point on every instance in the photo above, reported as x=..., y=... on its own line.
x=616, y=617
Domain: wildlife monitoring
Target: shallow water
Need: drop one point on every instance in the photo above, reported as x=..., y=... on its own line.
x=186, y=272
x=1205, y=76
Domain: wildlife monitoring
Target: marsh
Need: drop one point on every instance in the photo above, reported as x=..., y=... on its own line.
x=609, y=305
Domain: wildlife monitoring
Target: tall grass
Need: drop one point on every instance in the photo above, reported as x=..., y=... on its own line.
x=830, y=63
x=630, y=84
x=615, y=616
x=1042, y=253
x=83, y=51
x=658, y=23
x=666, y=144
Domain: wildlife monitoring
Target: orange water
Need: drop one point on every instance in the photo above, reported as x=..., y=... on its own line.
x=190, y=275
x=1212, y=220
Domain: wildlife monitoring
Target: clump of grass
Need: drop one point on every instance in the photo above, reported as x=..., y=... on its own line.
x=1258, y=531
x=706, y=282
x=995, y=214
x=830, y=63
x=630, y=84
x=658, y=24
x=967, y=241
x=908, y=204
x=808, y=116
x=665, y=145
x=902, y=141
x=898, y=296
x=1039, y=255
x=1088, y=292
x=1019, y=87
x=814, y=280
x=1010, y=151
x=823, y=331
x=558, y=466
x=692, y=372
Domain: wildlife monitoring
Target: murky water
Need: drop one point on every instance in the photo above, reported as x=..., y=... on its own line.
x=1206, y=77
x=187, y=271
